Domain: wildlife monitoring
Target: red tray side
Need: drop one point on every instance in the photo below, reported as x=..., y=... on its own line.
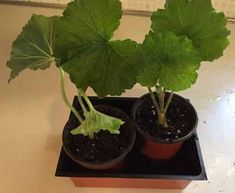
x=129, y=183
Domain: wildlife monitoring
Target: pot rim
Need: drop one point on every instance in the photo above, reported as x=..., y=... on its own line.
x=100, y=164
x=184, y=101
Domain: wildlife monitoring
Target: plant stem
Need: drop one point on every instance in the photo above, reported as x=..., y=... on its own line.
x=154, y=100
x=66, y=101
x=82, y=104
x=91, y=134
x=168, y=102
x=86, y=99
x=158, y=89
x=161, y=98
x=162, y=119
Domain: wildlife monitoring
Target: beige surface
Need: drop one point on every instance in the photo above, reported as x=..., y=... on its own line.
x=32, y=116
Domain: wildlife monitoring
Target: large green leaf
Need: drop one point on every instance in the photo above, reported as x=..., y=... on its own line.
x=197, y=20
x=171, y=61
x=33, y=48
x=89, y=55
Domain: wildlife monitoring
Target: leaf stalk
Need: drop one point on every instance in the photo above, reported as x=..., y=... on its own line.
x=65, y=99
x=87, y=100
x=160, y=105
x=82, y=104
x=168, y=102
x=154, y=100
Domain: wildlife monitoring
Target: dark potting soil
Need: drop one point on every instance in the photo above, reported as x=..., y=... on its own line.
x=105, y=146
x=178, y=120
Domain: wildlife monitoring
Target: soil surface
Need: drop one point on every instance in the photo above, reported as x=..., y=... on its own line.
x=104, y=146
x=178, y=119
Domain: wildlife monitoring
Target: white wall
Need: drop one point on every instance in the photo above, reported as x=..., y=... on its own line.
x=228, y=6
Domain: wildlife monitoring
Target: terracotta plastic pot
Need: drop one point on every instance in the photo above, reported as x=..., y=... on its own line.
x=114, y=164
x=137, y=172
x=162, y=149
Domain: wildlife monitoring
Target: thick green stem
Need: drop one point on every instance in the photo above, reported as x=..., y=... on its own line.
x=158, y=89
x=82, y=104
x=162, y=119
x=154, y=100
x=168, y=102
x=161, y=98
x=66, y=101
x=91, y=134
x=86, y=99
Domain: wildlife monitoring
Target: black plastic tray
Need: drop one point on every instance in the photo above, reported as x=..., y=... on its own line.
x=187, y=165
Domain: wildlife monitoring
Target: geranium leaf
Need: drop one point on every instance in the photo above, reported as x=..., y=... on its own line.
x=171, y=61
x=96, y=121
x=197, y=20
x=90, y=57
x=34, y=47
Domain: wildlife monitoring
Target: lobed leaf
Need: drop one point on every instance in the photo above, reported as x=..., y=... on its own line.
x=89, y=55
x=171, y=61
x=197, y=20
x=34, y=47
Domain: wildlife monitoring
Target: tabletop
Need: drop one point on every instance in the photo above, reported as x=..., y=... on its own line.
x=32, y=115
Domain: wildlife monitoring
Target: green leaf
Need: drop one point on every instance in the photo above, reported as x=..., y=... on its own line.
x=197, y=20
x=33, y=48
x=96, y=121
x=171, y=61
x=89, y=55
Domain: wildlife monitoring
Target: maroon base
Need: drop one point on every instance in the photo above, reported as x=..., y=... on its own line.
x=129, y=183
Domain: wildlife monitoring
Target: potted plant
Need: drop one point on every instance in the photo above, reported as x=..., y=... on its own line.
x=80, y=43
x=183, y=34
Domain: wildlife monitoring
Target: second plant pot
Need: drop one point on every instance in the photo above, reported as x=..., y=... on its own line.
x=106, y=151
x=158, y=143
